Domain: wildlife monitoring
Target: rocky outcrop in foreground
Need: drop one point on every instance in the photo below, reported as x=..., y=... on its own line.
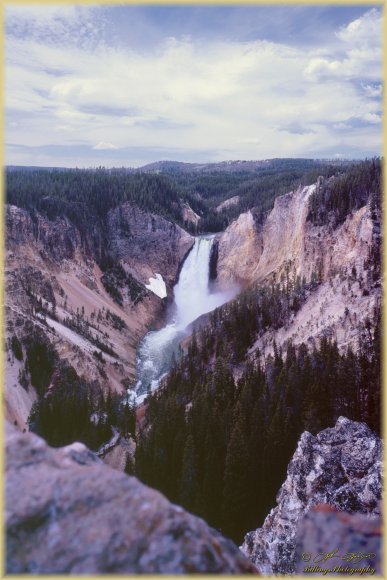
x=340, y=467
x=69, y=513
x=352, y=543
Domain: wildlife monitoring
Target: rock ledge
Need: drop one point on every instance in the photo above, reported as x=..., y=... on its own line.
x=67, y=512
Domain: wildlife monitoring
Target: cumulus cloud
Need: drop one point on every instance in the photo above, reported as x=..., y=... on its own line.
x=364, y=31
x=102, y=145
x=373, y=90
x=219, y=99
x=362, y=52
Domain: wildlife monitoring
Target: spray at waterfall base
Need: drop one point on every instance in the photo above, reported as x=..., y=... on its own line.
x=192, y=298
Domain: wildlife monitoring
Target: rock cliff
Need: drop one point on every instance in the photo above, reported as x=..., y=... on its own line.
x=67, y=513
x=288, y=243
x=239, y=251
x=54, y=283
x=288, y=248
x=147, y=244
x=340, y=467
x=271, y=247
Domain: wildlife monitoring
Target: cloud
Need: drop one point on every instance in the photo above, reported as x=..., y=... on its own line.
x=297, y=129
x=218, y=98
x=71, y=24
x=102, y=145
x=364, y=31
x=373, y=90
x=361, y=52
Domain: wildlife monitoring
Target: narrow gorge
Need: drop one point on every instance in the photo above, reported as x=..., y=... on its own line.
x=193, y=297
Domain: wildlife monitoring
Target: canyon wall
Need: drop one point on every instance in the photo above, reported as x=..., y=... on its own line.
x=288, y=249
x=147, y=244
x=54, y=283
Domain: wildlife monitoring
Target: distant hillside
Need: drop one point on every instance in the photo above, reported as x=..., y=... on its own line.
x=237, y=165
x=165, y=188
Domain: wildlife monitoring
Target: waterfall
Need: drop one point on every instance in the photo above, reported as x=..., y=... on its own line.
x=192, y=298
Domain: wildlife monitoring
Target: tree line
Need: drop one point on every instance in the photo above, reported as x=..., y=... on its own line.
x=85, y=196
x=338, y=196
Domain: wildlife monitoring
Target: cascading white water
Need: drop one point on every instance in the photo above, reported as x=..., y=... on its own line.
x=192, y=298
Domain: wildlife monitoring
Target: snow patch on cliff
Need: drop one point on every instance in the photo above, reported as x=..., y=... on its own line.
x=157, y=286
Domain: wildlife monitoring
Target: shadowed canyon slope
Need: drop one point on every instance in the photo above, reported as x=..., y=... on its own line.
x=54, y=283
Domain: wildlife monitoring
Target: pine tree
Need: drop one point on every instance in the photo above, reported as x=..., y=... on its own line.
x=235, y=496
x=189, y=474
x=129, y=465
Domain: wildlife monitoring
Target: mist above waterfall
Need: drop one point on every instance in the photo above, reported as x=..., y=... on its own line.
x=192, y=293
x=192, y=299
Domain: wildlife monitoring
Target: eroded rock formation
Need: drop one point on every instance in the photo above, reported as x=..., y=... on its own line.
x=53, y=278
x=289, y=249
x=341, y=467
x=147, y=243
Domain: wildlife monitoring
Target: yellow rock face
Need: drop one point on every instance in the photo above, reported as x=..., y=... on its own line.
x=288, y=243
x=288, y=247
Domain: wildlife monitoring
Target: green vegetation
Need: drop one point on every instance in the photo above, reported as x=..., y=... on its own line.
x=41, y=360
x=16, y=348
x=115, y=320
x=86, y=196
x=115, y=280
x=257, y=187
x=80, y=325
x=68, y=407
x=217, y=445
x=335, y=198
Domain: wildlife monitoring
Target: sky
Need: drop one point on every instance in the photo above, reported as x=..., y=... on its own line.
x=128, y=85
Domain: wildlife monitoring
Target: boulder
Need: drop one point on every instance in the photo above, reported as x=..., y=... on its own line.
x=68, y=513
x=339, y=542
x=341, y=467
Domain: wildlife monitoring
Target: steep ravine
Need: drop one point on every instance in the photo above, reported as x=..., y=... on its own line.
x=48, y=261
x=52, y=276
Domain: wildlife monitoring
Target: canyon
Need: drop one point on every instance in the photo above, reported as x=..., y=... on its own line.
x=49, y=260
x=103, y=310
